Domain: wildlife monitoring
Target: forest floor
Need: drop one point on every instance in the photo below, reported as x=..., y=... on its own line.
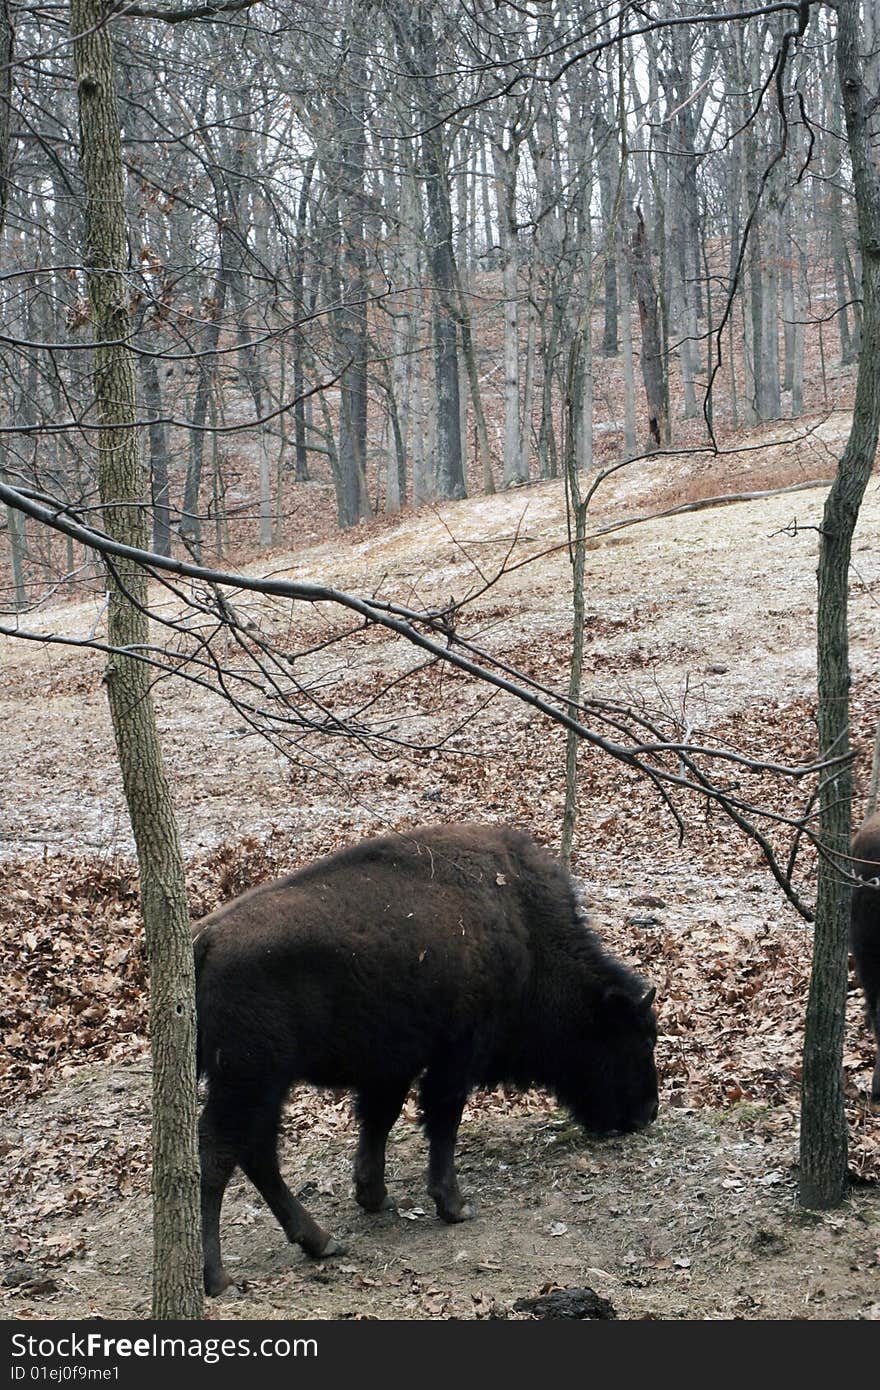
x=709, y=614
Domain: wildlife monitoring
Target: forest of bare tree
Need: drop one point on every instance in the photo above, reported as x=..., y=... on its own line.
x=311, y=318
x=363, y=241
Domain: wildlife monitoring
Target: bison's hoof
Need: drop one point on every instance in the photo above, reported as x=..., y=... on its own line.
x=371, y=1203
x=332, y=1247
x=215, y=1282
x=465, y=1211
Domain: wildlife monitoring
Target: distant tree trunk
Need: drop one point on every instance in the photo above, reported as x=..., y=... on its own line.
x=787, y=279
x=528, y=382
x=7, y=47
x=350, y=321
x=630, y=443
x=800, y=303
x=301, y=457
x=250, y=369
x=484, y=454
x=449, y=463
x=653, y=373
x=413, y=27
x=16, y=535
x=608, y=176
x=422, y=463
x=159, y=456
x=767, y=366
x=190, y=518
x=577, y=513
x=177, y=1264
x=547, y=273
x=838, y=260
x=506, y=160
x=488, y=230
x=677, y=225
x=395, y=462
x=823, y=1144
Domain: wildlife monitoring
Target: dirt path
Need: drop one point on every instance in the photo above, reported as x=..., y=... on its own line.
x=695, y=1218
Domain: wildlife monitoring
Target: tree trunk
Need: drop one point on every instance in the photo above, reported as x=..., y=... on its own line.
x=823, y=1145
x=301, y=459
x=577, y=510
x=190, y=519
x=422, y=461
x=350, y=321
x=15, y=524
x=847, y=344
x=417, y=41
x=488, y=230
x=629, y=378
x=7, y=44
x=608, y=176
x=528, y=383
x=473, y=379
x=506, y=163
x=769, y=394
x=653, y=373
x=159, y=456
x=177, y=1266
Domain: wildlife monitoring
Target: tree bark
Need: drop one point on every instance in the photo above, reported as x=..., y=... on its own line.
x=350, y=319
x=301, y=458
x=417, y=41
x=823, y=1144
x=177, y=1267
x=15, y=524
x=7, y=46
x=577, y=511
x=159, y=456
x=506, y=163
x=653, y=373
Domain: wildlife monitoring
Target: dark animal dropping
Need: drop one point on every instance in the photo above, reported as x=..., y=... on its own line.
x=566, y=1303
x=455, y=955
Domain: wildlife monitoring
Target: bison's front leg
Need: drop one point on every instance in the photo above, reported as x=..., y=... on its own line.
x=442, y=1100
x=377, y=1109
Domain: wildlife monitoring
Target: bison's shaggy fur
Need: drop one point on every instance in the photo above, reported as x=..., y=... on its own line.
x=453, y=954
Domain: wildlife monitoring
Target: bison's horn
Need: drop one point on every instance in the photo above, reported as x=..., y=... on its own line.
x=649, y=997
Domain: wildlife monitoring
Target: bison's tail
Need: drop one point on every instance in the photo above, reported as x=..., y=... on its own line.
x=201, y=943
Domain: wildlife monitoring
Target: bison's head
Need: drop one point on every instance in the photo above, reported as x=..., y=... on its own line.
x=611, y=1086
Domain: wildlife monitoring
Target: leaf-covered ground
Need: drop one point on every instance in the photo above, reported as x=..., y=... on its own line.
x=710, y=613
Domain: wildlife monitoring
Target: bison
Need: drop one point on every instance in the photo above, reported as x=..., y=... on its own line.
x=864, y=927
x=455, y=954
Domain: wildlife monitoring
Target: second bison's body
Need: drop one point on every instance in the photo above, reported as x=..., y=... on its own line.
x=455, y=955
x=864, y=933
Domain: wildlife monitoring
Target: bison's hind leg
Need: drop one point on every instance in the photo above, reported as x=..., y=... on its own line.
x=442, y=1096
x=259, y=1162
x=217, y=1155
x=377, y=1106
x=874, y=1020
x=239, y=1127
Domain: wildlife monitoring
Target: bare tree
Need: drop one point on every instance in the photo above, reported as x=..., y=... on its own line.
x=176, y=1272
x=823, y=1153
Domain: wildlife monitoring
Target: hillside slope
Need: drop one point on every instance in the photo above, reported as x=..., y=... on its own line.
x=707, y=613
